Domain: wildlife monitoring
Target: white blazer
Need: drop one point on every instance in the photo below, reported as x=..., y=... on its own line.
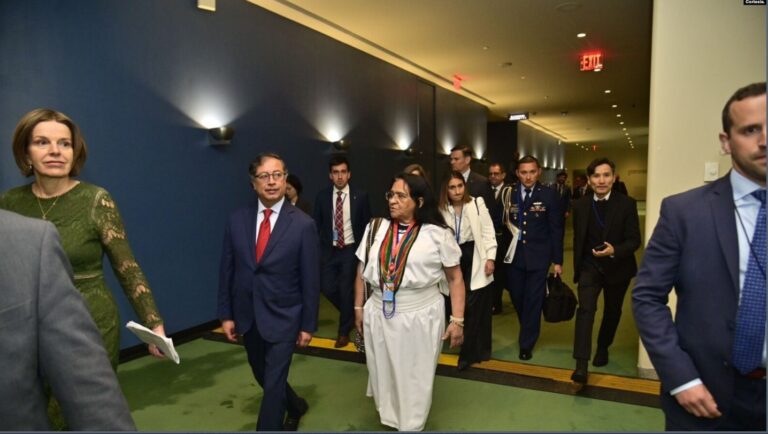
x=485, y=239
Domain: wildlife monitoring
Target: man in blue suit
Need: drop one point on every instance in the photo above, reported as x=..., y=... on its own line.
x=341, y=213
x=268, y=289
x=709, y=244
x=535, y=211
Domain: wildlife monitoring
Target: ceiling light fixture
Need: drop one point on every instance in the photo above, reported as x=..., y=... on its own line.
x=518, y=116
x=607, y=91
x=614, y=105
x=618, y=115
x=581, y=35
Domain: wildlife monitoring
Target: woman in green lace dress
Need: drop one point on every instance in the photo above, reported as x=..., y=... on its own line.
x=49, y=145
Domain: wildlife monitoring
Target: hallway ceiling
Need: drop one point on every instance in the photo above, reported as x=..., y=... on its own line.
x=514, y=55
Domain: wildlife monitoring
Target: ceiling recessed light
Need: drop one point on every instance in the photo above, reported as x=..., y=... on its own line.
x=614, y=106
x=618, y=115
x=597, y=70
x=485, y=47
x=581, y=35
x=522, y=78
x=621, y=123
x=624, y=129
x=607, y=91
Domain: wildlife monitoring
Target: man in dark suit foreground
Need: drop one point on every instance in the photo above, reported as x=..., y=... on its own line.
x=709, y=244
x=48, y=336
x=341, y=213
x=269, y=288
x=606, y=233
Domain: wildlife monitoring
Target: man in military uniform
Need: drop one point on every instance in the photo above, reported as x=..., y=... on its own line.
x=533, y=215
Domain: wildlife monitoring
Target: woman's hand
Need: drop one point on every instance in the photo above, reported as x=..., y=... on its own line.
x=490, y=265
x=455, y=333
x=153, y=348
x=359, y=321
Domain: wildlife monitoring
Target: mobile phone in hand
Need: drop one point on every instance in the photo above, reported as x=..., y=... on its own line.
x=601, y=247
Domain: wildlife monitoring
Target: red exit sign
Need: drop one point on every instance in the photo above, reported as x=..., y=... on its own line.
x=591, y=61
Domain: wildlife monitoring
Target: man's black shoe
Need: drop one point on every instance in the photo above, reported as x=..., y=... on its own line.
x=291, y=422
x=525, y=354
x=601, y=357
x=580, y=374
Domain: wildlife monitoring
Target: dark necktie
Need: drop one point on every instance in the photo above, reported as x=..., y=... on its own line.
x=263, y=239
x=527, y=195
x=338, y=219
x=750, y=318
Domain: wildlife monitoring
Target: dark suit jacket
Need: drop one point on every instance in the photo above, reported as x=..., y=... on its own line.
x=622, y=230
x=543, y=223
x=280, y=293
x=48, y=336
x=480, y=187
x=359, y=208
x=565, y=196
x=695, y=249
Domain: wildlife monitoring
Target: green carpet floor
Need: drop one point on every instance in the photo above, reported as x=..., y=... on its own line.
x=213, y=390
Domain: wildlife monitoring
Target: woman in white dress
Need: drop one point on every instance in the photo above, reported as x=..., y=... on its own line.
x=473, y=229
x=403, y=321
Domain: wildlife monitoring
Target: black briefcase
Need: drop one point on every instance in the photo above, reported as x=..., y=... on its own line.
x=559, y=302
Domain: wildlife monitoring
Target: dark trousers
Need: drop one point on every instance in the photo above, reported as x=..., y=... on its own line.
x=527, y=289
x=270, y=362
x=477, y=313
x=591, y=283
x=338, y=274
x=746, y=410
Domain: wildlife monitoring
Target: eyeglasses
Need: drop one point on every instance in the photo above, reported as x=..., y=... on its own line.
x=276, y=175
x=397, y=195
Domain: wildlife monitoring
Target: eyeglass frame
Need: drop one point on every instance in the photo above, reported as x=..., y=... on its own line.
x=266, y=176
x=400, y=196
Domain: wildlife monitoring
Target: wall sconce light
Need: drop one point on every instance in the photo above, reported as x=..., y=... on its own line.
x=409, y=151
x=221, y=136
x=341, y=145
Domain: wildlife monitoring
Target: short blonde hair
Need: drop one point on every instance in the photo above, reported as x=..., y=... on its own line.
x=23, y=135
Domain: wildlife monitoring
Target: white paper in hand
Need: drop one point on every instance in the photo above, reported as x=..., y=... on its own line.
x=148, y=336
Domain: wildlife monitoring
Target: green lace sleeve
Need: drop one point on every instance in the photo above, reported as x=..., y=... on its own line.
x=113, y=238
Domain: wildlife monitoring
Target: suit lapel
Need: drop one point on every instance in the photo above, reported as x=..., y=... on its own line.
x=250, y=232
x=585, y=206
x=284, y=220
x=610, y=212
x=721, y=203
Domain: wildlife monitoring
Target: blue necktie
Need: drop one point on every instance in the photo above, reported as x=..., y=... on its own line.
x=750, y=319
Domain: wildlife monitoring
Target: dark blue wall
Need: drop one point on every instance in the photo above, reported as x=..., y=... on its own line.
x=141, y=77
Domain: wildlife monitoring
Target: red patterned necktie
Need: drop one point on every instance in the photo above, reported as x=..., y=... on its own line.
x=338, y=219
x=263, y=238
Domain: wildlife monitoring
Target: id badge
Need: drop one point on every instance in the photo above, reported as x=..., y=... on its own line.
x=388, y=295
x=335, y=236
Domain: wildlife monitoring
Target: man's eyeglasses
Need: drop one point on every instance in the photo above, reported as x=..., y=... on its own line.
x=264, y=176
x=397, y=195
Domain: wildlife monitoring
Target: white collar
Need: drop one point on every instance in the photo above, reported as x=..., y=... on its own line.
x=275, y=208
x=595, y=198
